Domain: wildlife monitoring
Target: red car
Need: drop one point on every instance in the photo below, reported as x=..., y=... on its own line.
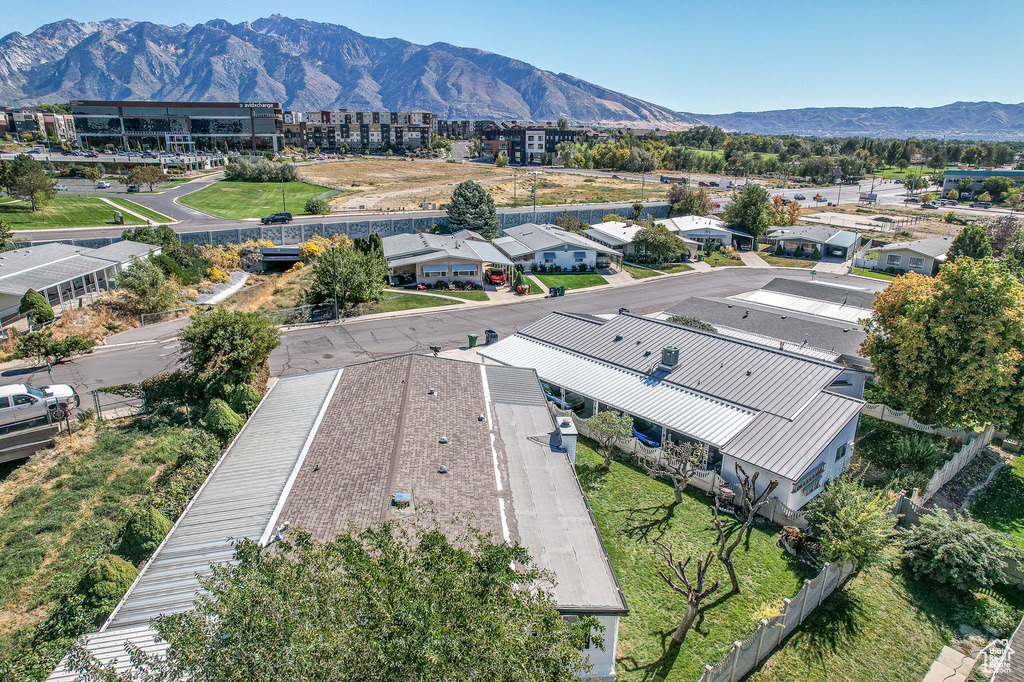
x=496, y=278
x=703, y=184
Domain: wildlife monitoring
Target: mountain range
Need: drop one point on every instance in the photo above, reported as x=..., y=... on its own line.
x=307, y=66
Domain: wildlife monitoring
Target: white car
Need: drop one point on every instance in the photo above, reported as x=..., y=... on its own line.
x=20, y=403
x=61, y=188
x=102, y=185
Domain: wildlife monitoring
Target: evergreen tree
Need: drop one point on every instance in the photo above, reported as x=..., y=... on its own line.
x=472, y=208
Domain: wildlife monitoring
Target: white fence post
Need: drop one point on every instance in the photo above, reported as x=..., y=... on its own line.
x=760, y=640
x=805, y=590
x=735, y=659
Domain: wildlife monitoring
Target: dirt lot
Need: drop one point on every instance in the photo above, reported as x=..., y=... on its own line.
x=397, y=184
x=854, y=217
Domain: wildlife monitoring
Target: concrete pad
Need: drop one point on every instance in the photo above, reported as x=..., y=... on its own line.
x=951, y=666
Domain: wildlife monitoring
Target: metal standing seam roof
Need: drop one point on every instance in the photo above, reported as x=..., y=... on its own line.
x=743, y=374
x=537, y=237
x=111, y=648
x=821, y=234
x=46, y=265
x=934, y=247
x=823, y=291
x=692, y=414
x=512, y=246
x=786, y=447
x=123, y=250
x=808, y=306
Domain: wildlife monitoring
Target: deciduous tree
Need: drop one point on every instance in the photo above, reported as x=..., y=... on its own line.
x=606, y=428
x=750, y=210
x=950, y=349
x=972, y=242
x=852, y=522
x=750, y=501
x=230, y=345
x=694, y=591
x=659, y=243
x=678, y=462
x=956, y=551
x=686, y=201
x=146, y=288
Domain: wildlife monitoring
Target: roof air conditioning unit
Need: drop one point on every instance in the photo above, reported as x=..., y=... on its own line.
x=670, y=356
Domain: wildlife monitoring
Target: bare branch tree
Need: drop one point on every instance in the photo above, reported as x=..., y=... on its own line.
x=694, y=591
x=750, y=502
x=678, y=465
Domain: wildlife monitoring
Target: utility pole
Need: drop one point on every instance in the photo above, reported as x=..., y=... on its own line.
x=284, y=202
x=514, y=183
x=643, y=183
x=335, y=257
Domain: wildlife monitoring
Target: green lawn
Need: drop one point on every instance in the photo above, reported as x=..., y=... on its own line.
x=786, y=262
x=631, y=512
x=393, y=301
x=877, y=629
x=468, y=295
x=673, y=268
x=719, y=259
x=237, y=200
x=578, y=281
x=864, y=272
x=535, y=286
x=63, y=211
x=640, y=273
x=999, y=505
x=141, y=210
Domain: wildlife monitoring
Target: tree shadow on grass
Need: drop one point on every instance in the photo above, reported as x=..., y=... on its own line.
x=660, y=668
x=591, y=476
x=834, y=623
x=646, y=524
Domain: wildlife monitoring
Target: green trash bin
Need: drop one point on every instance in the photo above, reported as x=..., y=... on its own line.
x=472, y=340
x=561, y=291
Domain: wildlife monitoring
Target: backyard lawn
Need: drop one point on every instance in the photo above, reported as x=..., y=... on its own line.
x=572, y=281
x=631, y=512
x=63, y=211
x=864, y=272
x=141, y=210
x=999, y=505
x=238, y=200
x=640, y=273
x=786, y=262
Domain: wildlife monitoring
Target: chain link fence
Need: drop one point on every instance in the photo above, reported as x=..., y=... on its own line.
x=307, y=314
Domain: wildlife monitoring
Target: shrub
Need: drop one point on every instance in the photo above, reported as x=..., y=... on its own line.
x=43, y=346
x=143, y=534
x=246, y=399
x=779, y=250
x=315, y=206
x=221, y=420
x=35, y=303
x=217, y=276
x=816, y=254
x=146, y=286
x=799, y=253
x=106, y=581
x=959, y=552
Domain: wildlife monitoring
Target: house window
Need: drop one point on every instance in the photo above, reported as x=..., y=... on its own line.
x=841, y=452
x=464, y=270
x=579, y=256
x=893, y=259
x=549, y=257
x=916, y=263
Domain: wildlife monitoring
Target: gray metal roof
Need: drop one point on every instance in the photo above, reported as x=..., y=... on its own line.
x=699, y=225
x=840, y=337
x=122, y=251
x=619, y=234
x=46, y=265
x=110, y=647
x=687, y=412
x=744, y=374
x=935, y=247
x=512, y=246
x=406, y=249
x=549, y=511
x=237, y=501
x=787, y=447
x=820, y=291
x=818, y=234
x=539, y=237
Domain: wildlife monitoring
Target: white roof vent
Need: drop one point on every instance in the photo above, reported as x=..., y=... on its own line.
x=444, y=440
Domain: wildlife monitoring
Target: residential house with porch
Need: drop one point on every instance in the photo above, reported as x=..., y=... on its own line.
x=429, y=258
x=620, y=236
x=705, y=229
x=787, y=416
x=829, y=241
x=551, y=246
x=923, y=256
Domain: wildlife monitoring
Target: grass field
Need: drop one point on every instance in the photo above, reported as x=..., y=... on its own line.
x=640, y=273
x=63, y=211
x=468, y=295
x=536, y=287
x=878, y=628
x=238, y=200
x=631, y=512
x=577, y=281
x=785, y=262
x=864, y=272
x=393, y=301
x=141, y=210
x=999, y=505
x=673, y=268
x=719, y=259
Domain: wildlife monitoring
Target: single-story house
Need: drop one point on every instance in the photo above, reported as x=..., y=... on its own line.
x=829, y=241
x=787, y=416
x=813, y=336
x=428, y=258
x=923, y=256
x=705, y=229
x=551, y=246
x=620, y=236
x=63, y=273
x=825, y=300
x=449, y=439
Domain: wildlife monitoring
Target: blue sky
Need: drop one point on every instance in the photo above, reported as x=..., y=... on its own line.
x=702, y=57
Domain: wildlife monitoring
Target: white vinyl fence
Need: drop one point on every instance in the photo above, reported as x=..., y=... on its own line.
x=748, y=654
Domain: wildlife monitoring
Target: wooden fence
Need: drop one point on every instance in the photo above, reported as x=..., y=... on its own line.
x=748, y=654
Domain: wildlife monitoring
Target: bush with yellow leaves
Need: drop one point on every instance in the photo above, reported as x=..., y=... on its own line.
x=216, y=275
x=313, y=247
x=226, y=257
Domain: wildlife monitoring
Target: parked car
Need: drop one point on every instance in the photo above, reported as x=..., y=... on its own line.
x=61, y=188
x=800, y=197
x=132, y=189
x=911, y=200
x=102, y=185
x=981, y=204
x=883, y=219
x=572, y=401
x=929, y=204
x=495, y=277
x=279, y=217
x=20, y=403
x=713, y=184
x=703, y=184
x=787, y=202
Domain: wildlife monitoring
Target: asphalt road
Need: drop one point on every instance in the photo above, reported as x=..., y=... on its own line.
x=335, y=345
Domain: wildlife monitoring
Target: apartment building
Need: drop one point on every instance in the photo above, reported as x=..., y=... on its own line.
x=358, y=130
x=527, y=143
x=15, y=122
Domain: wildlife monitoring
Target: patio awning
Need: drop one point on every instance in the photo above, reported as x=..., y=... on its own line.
x=435, y=268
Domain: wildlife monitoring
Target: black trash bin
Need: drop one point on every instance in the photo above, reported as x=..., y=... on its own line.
x=490, y=336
